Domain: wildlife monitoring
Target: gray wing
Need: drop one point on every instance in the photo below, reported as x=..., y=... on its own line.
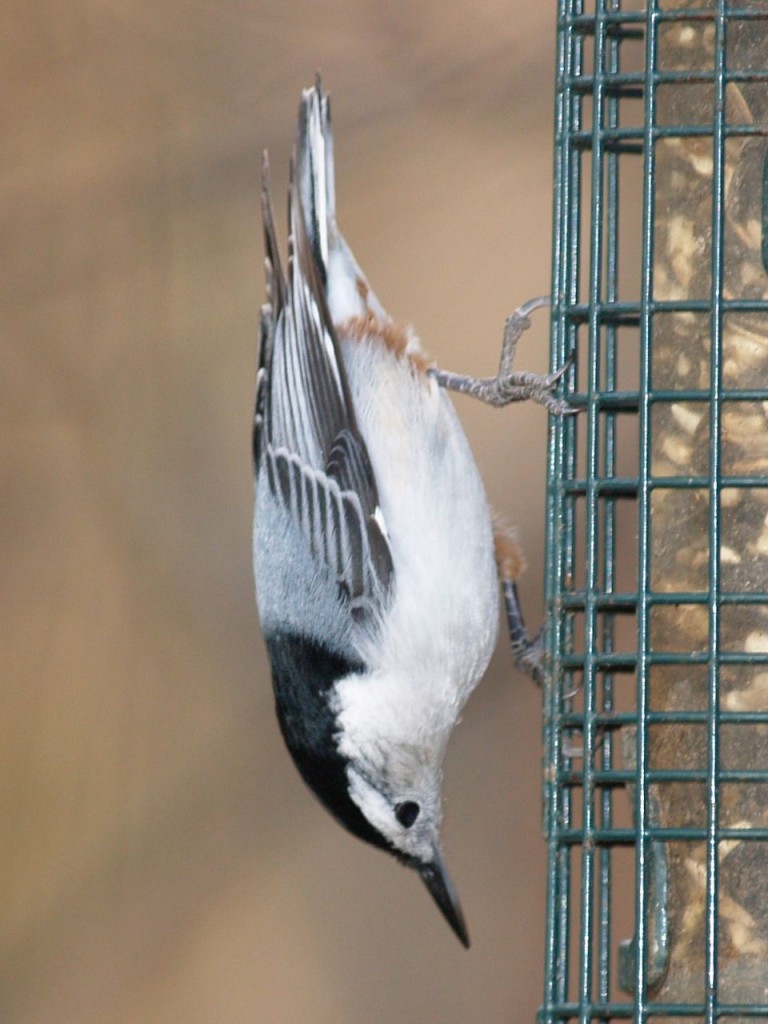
x=305, y=434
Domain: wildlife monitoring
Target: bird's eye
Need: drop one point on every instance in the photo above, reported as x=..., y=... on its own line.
x=407, y=812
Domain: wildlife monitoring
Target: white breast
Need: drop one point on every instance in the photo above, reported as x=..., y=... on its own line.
x=441, y=628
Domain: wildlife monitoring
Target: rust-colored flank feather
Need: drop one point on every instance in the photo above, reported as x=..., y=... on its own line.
x=509, y=556
x=395, y=337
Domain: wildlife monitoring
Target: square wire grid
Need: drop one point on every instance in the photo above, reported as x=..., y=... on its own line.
x=657, y=561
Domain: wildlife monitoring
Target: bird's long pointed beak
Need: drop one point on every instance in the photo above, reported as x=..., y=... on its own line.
x=439, y=883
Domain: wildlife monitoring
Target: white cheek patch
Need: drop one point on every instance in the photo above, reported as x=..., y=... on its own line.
x=373, y=805
x=417, y=842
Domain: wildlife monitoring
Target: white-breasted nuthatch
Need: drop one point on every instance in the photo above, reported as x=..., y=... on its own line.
x=374, y=548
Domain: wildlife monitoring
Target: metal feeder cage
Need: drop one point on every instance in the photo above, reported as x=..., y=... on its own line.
x=656, y=707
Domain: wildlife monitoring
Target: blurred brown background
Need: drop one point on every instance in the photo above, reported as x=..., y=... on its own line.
x=161, y=859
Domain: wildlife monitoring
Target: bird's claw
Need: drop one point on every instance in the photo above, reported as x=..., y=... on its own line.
x=510, y=386
x=529, y=655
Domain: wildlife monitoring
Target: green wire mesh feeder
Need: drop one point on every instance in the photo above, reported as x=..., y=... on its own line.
x=657, y=564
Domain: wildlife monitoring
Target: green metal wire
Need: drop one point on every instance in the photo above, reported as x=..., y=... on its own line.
x=594, y=970
x=715, y=484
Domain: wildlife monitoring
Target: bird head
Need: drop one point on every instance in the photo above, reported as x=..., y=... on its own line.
x=398, y=795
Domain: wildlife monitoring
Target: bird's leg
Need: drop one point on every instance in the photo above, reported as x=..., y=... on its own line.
x=508, y=386
x=528, y=654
